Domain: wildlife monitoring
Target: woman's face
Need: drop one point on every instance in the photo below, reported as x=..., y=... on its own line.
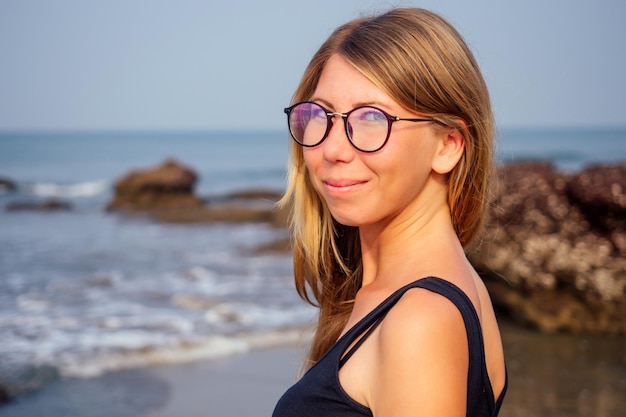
x=360, y=188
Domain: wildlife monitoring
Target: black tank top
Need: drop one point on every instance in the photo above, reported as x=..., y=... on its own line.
x=319, y=393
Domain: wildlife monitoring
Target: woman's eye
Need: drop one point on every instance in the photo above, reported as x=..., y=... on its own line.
x=318, y=114
x=372, y=116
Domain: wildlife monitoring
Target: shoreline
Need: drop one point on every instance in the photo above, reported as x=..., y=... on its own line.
x=243, y=384
x=549, y=374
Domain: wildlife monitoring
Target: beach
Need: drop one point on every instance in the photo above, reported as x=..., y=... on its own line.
x=112, y=314
x=549, y=375
x=240, y=385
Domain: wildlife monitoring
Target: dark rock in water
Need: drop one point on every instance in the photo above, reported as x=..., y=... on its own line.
x=224, y=213
x=42, y=205
x=559, y=242
x=278, y=246
x=166, y=193
x=251, y=194
x=7, y=184
x=168, y=186
x=248, y=206
x=4, y=395
x=18, y=378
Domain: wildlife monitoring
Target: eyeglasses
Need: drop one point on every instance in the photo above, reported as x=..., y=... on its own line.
x=367, y=127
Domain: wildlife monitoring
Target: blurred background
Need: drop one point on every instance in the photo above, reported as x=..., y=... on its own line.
x=96, y=278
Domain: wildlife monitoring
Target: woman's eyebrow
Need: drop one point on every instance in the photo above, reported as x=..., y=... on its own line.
x=354, y=105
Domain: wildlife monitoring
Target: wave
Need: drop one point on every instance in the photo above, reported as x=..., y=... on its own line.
x=21, y=377
x=210, y=348
x=49, y=189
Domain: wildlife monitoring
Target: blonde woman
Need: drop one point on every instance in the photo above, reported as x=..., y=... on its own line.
x=392, y=146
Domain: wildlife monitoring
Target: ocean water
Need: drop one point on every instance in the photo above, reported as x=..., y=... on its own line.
x=84, y=291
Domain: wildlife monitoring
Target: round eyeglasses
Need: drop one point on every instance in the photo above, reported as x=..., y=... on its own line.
x=367, y=127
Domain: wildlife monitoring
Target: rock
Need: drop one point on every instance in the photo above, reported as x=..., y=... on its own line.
x=168, y=186
x=277, y=246
x=40, y=205
x=4, y=396
x=554, y=247
x=226, y=214
x=251, y=194
x=600, y=191
x=249, y=206
x=17, y=378
x=7, y=184
x=166, y=192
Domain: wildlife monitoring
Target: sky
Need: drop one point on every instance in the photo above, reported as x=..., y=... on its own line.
x=234, y=64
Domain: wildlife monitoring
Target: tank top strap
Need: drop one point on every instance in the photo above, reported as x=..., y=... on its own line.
x=366, y=326
x=359, y=342
x=477, y=375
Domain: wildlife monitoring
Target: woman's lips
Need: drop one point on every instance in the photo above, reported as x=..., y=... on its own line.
x=342, y=185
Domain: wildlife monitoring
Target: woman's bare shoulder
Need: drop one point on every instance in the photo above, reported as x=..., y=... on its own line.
x=422, y=358
x=420, y=313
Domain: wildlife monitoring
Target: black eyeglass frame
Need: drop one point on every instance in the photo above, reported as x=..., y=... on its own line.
x=329, y=124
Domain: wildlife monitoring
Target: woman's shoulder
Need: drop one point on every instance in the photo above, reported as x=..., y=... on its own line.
x=421, y=358
x=421, y=312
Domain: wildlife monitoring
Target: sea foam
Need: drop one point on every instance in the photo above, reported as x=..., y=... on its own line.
x=49, y=189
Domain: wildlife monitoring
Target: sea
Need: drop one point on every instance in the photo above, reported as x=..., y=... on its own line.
x=86, y=291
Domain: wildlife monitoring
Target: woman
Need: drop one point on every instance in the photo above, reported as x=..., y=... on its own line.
x=392, y=150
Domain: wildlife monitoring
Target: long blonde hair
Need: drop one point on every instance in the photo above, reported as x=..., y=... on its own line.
x=423, y=63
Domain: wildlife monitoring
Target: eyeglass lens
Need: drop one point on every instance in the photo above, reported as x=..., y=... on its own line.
x=366, y=127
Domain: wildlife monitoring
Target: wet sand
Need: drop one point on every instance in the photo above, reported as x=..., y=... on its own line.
x=241, y=385
x=549, y=376
x=564, y=375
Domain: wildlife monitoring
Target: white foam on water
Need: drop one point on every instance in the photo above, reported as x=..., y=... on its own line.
x=49, y=189
x=97, y=325
x=27, y=302
x=210, y=348
x=133, y=293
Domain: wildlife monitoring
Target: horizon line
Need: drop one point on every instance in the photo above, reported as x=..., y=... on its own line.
x=190, y=130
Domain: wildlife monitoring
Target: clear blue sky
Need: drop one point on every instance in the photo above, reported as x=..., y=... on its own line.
x=233, y=64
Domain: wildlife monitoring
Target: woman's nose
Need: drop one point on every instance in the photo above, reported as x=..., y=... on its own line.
x=337, y=146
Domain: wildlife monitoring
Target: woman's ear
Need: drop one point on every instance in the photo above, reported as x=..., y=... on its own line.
x=450, y=149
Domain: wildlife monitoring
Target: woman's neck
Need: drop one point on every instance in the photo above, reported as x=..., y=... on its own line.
x=407, y=245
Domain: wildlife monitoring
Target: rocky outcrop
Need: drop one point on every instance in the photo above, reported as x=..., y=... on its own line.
x=168, y=186
x=4, y=395
x=601, y=193
x=228, y=211
x=7, y=184
x=554, y=248
x=166, y=192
